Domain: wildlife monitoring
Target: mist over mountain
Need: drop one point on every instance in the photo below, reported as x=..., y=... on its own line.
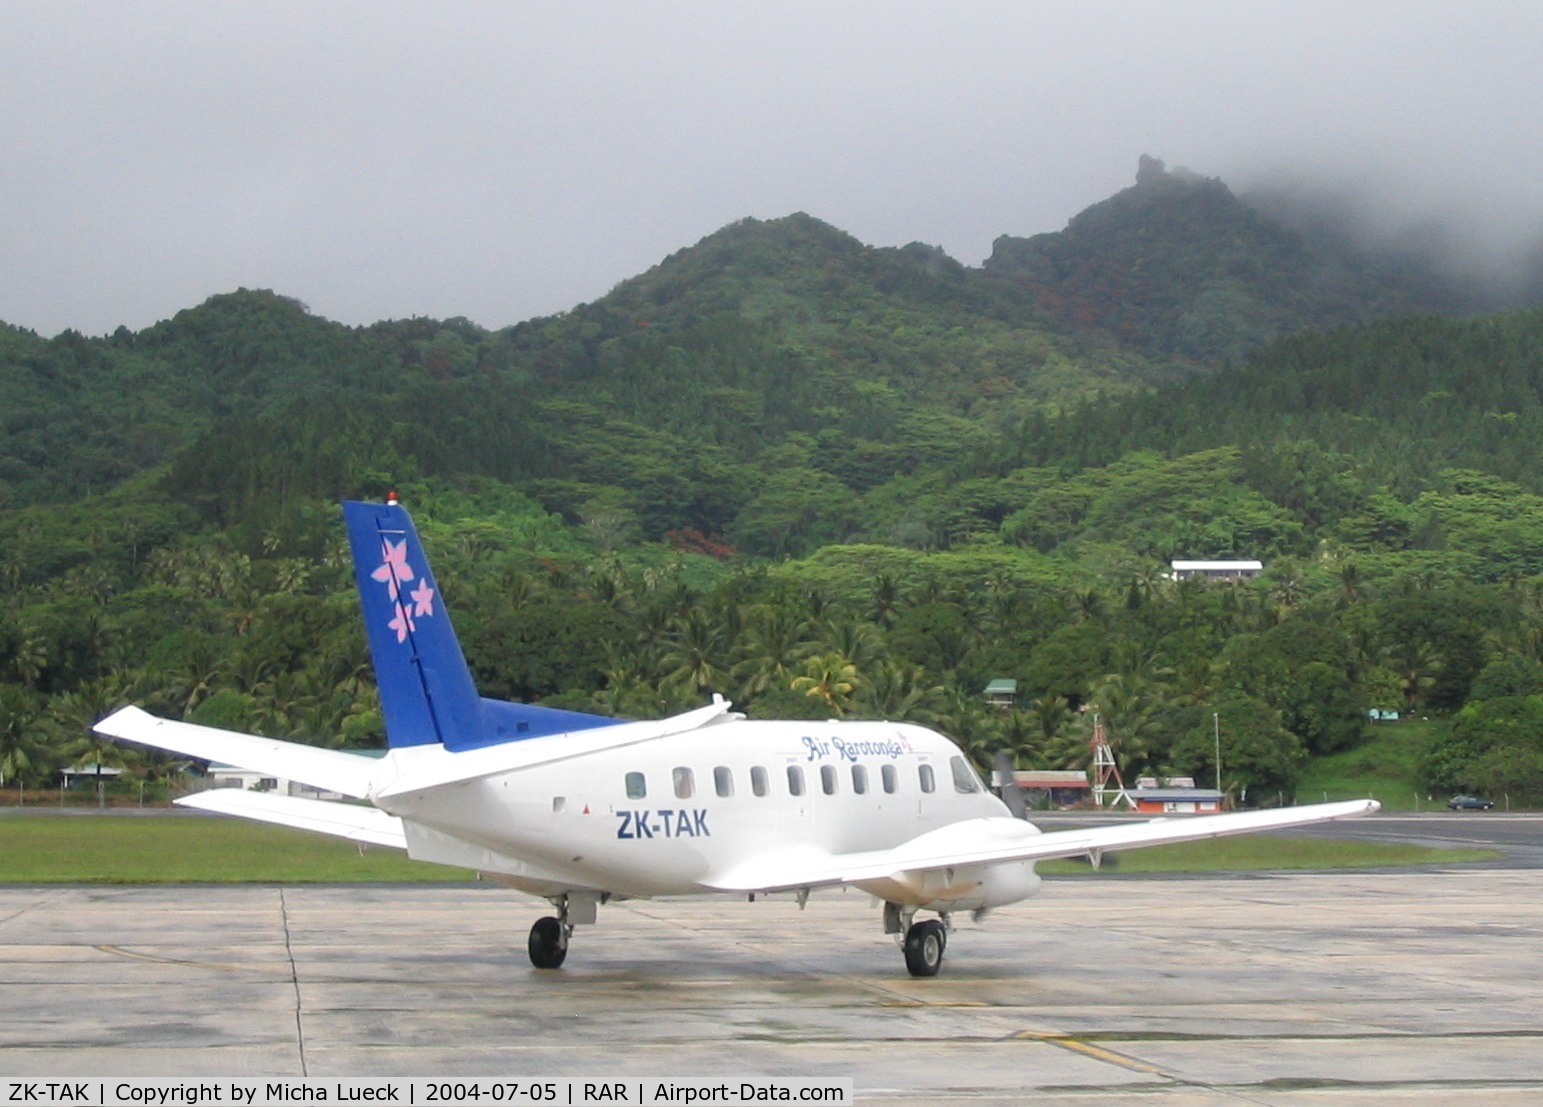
x=1179, y=266
x=1498, y=264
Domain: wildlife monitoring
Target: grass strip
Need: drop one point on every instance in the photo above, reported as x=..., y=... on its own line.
x=1267, y=851
x=181, y=849
x=167, y=849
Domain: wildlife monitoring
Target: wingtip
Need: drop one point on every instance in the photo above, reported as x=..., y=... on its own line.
x=114, y=724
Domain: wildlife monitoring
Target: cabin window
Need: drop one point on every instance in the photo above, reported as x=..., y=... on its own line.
x=723, y=780
x=758, y=781
x=685, y=782
x=924, y=773
x=828, y=779
x=637, y=787
x=860, y=779
x=890, y=777
x=795, y=780
x=965, y=780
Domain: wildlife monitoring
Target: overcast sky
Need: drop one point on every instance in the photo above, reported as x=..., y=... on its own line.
x=504, y=160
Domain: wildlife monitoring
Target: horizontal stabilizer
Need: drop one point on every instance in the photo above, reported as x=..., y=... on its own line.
x=423, y=768
x=330, y=770
x=369, y=825
x=1000, y=840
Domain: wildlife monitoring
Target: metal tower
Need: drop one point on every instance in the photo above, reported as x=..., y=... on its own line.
x=1104, y=768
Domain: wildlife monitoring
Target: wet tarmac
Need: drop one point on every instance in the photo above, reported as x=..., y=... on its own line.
x=1386, y=987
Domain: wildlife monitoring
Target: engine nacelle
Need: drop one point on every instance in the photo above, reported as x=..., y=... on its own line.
x=958, y=888
x=1008, y=883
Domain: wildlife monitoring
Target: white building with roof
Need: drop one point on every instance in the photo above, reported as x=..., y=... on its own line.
x=1216, y=570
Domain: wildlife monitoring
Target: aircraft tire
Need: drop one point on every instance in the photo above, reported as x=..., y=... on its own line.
x=924, y=944
x=546, y=945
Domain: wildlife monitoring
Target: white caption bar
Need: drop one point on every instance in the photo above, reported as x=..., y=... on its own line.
x=418, y=1092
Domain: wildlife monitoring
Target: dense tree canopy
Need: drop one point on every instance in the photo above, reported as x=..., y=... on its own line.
x=822, y=479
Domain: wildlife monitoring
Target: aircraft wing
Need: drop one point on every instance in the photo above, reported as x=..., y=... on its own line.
x=402, y=771
x=330, y=770
x=1000, y=840
x=369, y=825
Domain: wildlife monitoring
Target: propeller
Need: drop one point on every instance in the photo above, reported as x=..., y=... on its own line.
x=1007, y=786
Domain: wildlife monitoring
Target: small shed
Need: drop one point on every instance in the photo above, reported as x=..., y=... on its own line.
x=1178, y=801
x=1062, y=788
x=1002, y=693
x=230, y=776
x=92, y=771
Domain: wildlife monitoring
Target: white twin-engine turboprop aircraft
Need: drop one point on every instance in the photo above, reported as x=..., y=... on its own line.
x=582, y=809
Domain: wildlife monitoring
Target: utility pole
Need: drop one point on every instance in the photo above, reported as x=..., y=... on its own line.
x=1216, y=730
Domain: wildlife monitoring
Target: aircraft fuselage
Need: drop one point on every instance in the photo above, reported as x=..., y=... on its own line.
x=665, y=817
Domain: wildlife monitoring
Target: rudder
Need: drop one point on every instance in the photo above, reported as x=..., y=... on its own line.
x=426, y=691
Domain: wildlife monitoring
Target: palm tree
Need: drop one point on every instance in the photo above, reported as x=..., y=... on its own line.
x=1049, y=714
x=1153, y=580
x=831, y=678
x=1129, y=659
x=514, y=588
x=775, y=643
x=289, y=699
x=1088, y=605
x=853, y=640
x=626, y=694
x=897, y=691
x=1416, y=661
x=28, y=660
x=886, y=599
x=1350, y=586
x=694, y=654
x=1128, y=707
x=24, y=753
x=1287, y=589
x=195, y=678
x=611, y=586
x=69, y=721
x=1017, y=734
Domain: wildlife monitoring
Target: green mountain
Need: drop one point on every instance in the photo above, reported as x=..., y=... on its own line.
x=1177, y=266
x=786, y=338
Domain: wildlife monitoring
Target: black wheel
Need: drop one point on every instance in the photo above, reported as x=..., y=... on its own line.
x=547, y=945
x=924, y=944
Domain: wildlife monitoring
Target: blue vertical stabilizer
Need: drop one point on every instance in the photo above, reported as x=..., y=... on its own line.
x=426, y=691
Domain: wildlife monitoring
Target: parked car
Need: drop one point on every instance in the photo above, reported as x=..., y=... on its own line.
x=1468, y=803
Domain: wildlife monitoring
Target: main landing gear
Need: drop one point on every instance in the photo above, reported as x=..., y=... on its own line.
x=923, y=942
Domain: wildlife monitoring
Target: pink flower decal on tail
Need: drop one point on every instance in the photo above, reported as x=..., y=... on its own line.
x=423, y=600
x=394, y=571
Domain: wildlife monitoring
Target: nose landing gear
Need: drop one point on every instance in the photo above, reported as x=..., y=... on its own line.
x=548, y=945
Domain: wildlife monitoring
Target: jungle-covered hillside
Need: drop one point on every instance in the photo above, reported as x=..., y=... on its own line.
x=824, y=479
